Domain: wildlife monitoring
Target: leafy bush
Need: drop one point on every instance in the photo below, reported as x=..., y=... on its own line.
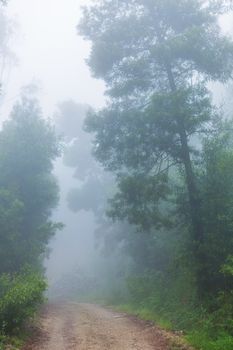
x=173, y=305
x=20, y=296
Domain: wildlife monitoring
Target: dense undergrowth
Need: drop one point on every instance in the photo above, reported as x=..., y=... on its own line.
x=20, y=296
x=174, y=308
x=205, y=327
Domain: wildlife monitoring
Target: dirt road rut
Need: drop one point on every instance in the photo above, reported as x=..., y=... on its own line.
x=74, y=326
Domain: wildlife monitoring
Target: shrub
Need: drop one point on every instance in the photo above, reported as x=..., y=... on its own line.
x=20, y=296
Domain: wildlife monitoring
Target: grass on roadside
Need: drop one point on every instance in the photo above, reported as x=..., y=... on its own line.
x=10, y=343
x=197, y=338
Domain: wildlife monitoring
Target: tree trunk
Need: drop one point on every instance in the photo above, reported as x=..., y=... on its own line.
x=193, y=194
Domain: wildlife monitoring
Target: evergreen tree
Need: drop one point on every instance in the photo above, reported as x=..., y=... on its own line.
x=28, y=190
x=156, y=58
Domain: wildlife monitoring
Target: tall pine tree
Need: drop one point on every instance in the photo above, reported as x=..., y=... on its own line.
x=156, y=58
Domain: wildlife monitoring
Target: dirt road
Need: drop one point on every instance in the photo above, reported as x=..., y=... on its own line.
x=74, y=326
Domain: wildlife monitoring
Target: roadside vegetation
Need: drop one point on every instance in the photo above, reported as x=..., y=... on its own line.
x=28, y=192
x=169, y=148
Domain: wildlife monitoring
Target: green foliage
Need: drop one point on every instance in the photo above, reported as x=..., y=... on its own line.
x=28, y=193
x=173, y=159
x=156, y=75
x=217, y=209
x=146, y=140
x=173, y=306
x=171, y=299
x=227, y=268
x=11, y=211
x=190, y=40
x=201, y=340
x=140, y=200
x=20, y=296
x=28, y=190
x=13, y=343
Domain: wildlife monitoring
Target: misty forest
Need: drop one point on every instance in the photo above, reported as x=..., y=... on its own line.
x=116, y=174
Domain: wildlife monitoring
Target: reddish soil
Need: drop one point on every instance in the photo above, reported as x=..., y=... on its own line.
x=72, y=326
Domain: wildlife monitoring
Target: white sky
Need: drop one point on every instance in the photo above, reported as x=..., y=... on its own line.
x=50, y=51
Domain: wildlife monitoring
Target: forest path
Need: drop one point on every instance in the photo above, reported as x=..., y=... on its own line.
x=72, y=326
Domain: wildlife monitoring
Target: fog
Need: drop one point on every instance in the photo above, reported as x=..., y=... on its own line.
x=116, y=174
x=48, y=52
